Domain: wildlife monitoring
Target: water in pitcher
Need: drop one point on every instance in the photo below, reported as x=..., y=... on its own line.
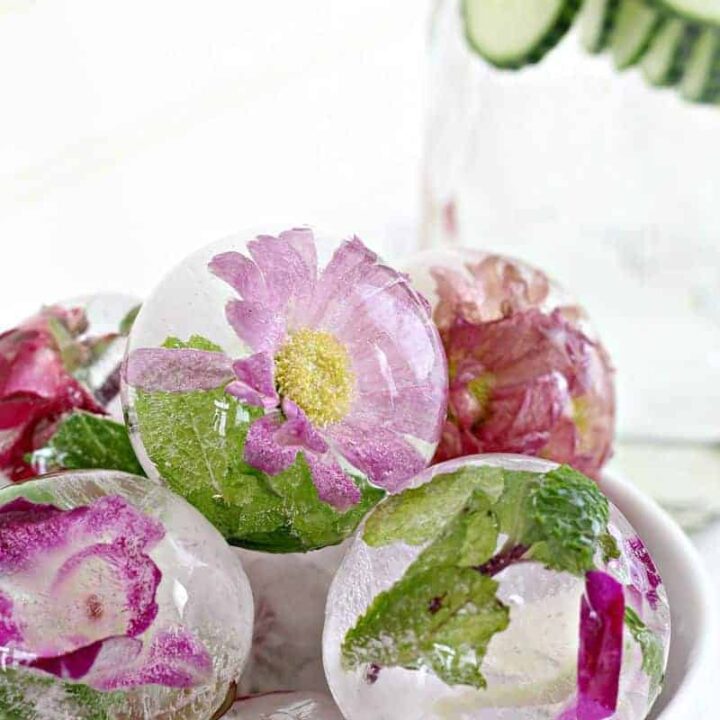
x=579, y=164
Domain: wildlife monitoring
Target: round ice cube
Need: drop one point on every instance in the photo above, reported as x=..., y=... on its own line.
x=117, y=600
x=285, y=706
x=497, y=587
x=65, y=358
x=527, y=374
x=289, y=591
x=283, y=384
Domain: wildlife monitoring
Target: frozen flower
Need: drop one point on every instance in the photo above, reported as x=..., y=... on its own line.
x=524, y=375
x=36, y=384
x=345, y=364
x=78, y=597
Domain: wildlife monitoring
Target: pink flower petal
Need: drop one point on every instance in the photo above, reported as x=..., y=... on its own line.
x=602, y=618
x=176, y=659
x=272, y=448
x=384, y=456
x=240, y=273
x=522, y=416
x=346, y=268
x=297, y=430
x=74, y=578
x=643, y=571
x=549, y=388
x=284, y=263
x=177, y=369
x=255, y=381
x=259, y=326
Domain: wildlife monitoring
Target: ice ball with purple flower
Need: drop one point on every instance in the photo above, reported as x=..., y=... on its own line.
x=284, y=384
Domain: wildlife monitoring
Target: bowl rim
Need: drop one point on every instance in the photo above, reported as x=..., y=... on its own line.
x=624, y=493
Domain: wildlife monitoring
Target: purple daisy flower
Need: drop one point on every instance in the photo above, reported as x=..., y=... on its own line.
x=344, y=362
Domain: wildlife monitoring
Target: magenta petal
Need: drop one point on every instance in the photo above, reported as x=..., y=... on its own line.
x=334, y=486
x=255, y=381
x=176, y=659
x=602, y=618
x=177, y=370
x=272, y=446
x=70, y=666
x=297, y=430
x=643, y=571
x=240, y=273
x=257, y=325
x=263, y=452
x=387, y=459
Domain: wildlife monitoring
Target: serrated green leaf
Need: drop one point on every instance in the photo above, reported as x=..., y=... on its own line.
x=441, y=619
x=561, y=517
x=468, y=540
x=419, y=514
x=196, y=440
x=84, y=441
x=652, y=649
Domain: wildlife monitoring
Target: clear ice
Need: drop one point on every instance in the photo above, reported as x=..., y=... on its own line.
x=118, y=600
x=531, y=668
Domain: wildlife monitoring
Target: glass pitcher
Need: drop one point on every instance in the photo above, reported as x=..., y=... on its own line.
x=612, y=186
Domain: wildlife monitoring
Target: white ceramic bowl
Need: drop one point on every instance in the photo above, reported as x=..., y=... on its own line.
x=695, y=626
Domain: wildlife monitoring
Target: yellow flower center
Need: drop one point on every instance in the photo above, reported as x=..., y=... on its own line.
x=313, y=370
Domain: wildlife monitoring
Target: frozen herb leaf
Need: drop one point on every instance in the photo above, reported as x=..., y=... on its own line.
x=417, y=515
x=84, y=441
x=561, y=516
x=441, y=619
x=652, y=649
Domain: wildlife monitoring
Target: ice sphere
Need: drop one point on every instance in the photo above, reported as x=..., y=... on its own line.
x=290, y=592
x=65, y=358
x=118, y=600
x=285, y=706
x=527, y=374
x=498, y=587
x=283, y=384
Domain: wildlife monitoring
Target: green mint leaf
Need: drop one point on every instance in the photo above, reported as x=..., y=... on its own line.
x=197, y=439
x=560, y=516
x=315, y=523
x=23, y=694
x=609, y=547
x=467, y=541
x=196, y=342
x=84, y=441
x=419, y=514
x=128, y=321
x=441, y=619
x=652, y=649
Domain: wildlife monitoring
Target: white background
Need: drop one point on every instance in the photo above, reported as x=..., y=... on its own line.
x=133, y=132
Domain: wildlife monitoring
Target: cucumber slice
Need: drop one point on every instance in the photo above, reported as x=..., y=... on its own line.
x=704, y=11
x=634, y=30
x=664, y=62
x=597, y=19
x=701, y=81
x=513, y=33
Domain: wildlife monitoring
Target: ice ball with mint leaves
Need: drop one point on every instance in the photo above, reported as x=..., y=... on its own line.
x=497, y=587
